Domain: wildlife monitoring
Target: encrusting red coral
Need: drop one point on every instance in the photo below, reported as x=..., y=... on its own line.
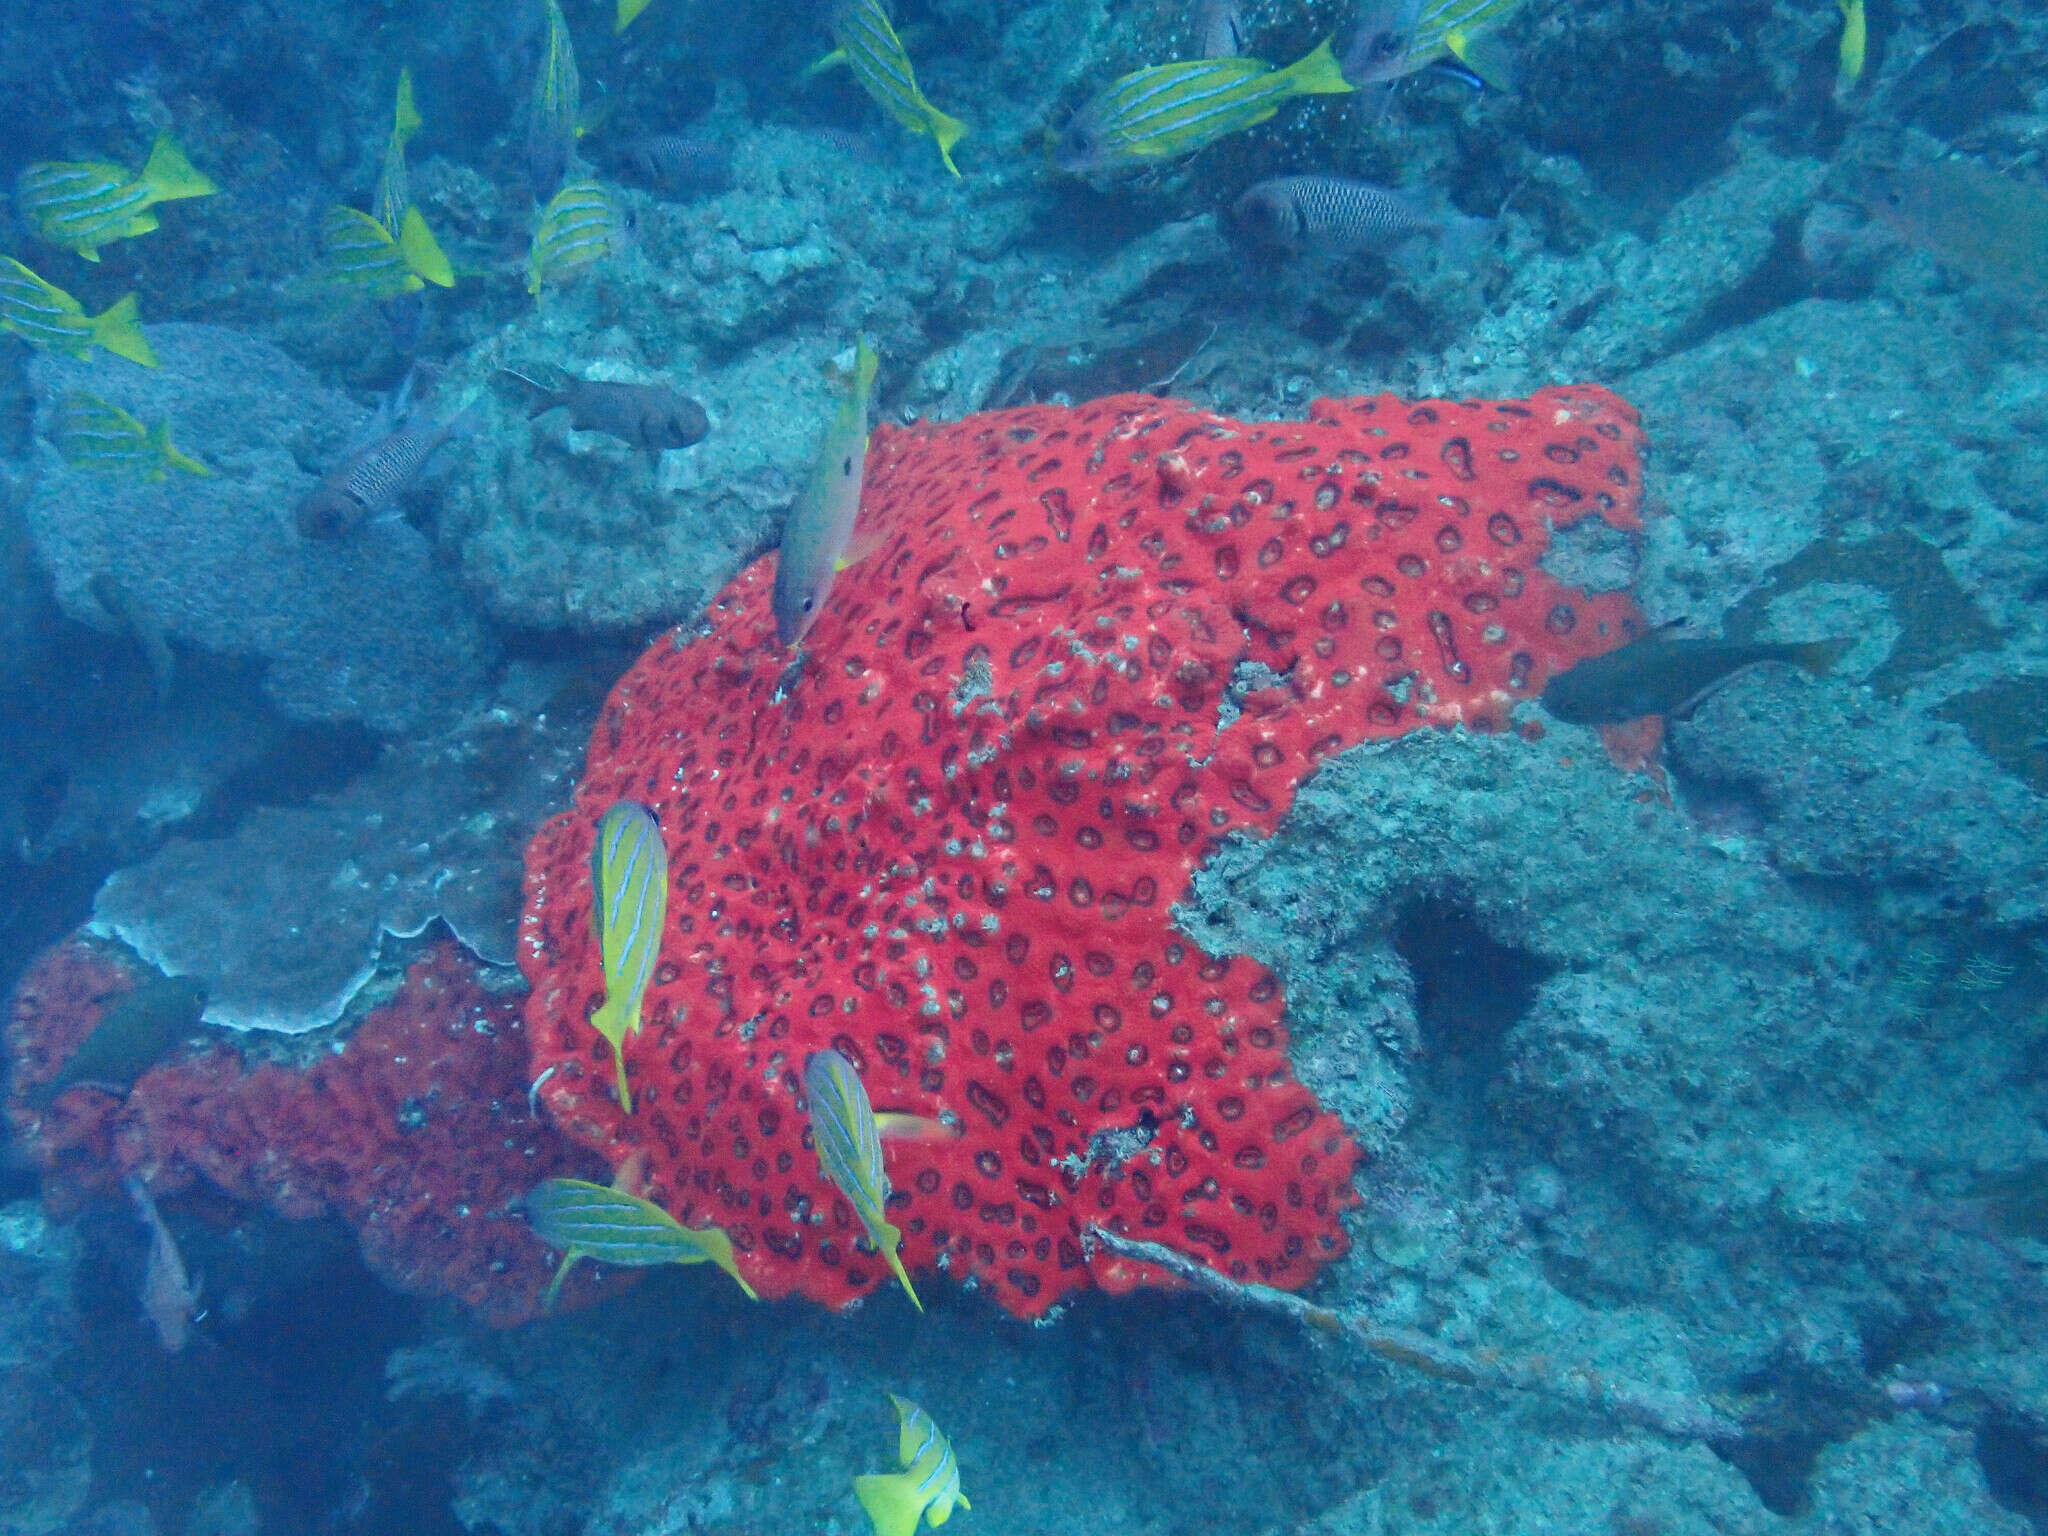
x=417, y=1134
x=1089, y=643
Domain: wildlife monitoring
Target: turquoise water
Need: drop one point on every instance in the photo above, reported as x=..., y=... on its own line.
x=1400, y=742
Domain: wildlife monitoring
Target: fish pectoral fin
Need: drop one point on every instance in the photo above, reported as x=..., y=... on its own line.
x=831, y=61
x=547, y=1301
x=891, y=1500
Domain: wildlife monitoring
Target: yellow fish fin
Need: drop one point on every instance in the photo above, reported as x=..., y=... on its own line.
x=717, y=1247
x=141, y=224
x=831, y=60
x=629, y=12
x=120, y=332
x=891, y=1500
x=422, y=252
x=885, y=1239
x=946, y=132
x=170, y=176
x=405, y=116
x=160, y=440
x=1317, y=74
x=1486, y=56
x=547, y=1302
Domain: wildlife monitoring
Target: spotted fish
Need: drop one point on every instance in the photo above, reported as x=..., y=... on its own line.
x=869, y=46
x=628, y=906
x=928, y=1486
x=593, y=1221
x=372, y=479
x=850, y=1151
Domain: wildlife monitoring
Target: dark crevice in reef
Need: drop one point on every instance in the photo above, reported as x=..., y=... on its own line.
x=281, y=1388
x=2014, y=1457
x=1470, y=990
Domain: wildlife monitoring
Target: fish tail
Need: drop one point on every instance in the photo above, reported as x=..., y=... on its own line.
x=619, y=1062
x=405, y=116
x=171, y=176
x=1318, y=73
x=1465, y=237
x=946, y=132
x=423, y=254
x=160, y=439
x=119, y=330
x=886, y=1238
x=891, y=1500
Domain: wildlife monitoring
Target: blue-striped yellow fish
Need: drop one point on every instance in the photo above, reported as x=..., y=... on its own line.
x=594, y=1221
x=849, y=1147
x=628, y=908
x=89, y=433
x=1170, y=110
x=85, y=204
x=42, y=313
x=363, y=253
x=1399, y=37
x=582, y=223
x=818, y=532
x=1854, y=47
x=868, y=46
x=928, y=1486
x=553, y=113
x=394, y=184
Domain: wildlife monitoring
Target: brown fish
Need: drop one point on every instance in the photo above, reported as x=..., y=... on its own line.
x=370, y=480
x=649, y=416
x=680, y=162
x=170, y=1297
x=1982, y=224
x=1659, y=675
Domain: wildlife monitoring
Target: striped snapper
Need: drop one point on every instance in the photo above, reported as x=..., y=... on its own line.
x=91, y=434
x=553, y=113
x=1399, y=37
x=628, y=908
x=868, y=46
x=928, y=1486
x=371, y=480
x=581, y=224
x=44, y=314
x=849, y=1147
x=818, y=533
x=1169, y=110
x=85, y=204
x=394, y=183
x=363, y=253
x=594, y=1221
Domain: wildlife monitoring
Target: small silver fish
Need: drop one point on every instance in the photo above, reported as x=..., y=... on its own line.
x=649, y=416
x=818, y=533
x=1337, y=214
x=170, y=1297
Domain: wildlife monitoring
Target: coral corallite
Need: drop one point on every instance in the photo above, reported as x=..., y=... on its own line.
x=1087, y=643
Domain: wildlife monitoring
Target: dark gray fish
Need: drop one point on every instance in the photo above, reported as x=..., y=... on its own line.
x=1657, y=675
x=371, y=479
x=1337, y=214
x=680, y=162
x=649, y=416
x=130, y=1038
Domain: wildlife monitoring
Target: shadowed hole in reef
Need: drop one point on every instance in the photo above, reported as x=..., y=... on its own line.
x=2014, y=1457
x=281, y=1387
x=1470, y=989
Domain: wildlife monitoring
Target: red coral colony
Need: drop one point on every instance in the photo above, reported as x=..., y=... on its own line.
x=1089, y=643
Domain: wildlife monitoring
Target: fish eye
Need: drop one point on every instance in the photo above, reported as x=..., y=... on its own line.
x=810, y=603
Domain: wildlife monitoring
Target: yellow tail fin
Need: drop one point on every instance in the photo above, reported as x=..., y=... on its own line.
x=120, y=332
x=160, y=439
x=1318, y=74
x=171, y=176
x=887, y=1238
x=948, y=131
x=717, y=1247
x=422, y=252
x=629, y=12
x=891, y=1500
x=405, y=116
